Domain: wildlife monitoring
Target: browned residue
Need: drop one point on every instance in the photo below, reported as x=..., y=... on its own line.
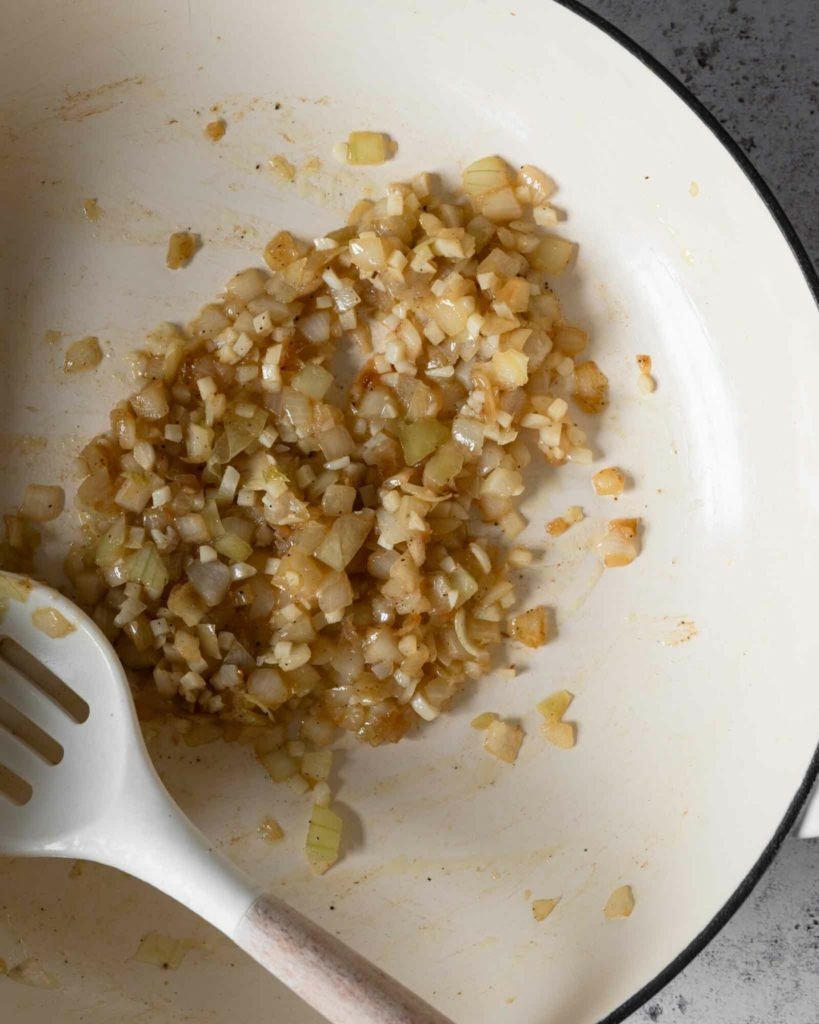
x=683, y=631
x=87, y=102
x=91, y=209
x=215, y=130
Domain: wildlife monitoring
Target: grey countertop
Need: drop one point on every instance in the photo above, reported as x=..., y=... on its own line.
x=755, y=65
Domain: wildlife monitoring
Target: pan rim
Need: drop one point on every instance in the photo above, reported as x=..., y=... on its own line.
x=765, y=193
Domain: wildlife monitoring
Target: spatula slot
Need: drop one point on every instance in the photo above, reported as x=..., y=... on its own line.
x=43, y=678
x=14, y=788
x=28, y=732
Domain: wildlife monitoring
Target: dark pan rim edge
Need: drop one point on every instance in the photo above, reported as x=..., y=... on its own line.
x=743, y=891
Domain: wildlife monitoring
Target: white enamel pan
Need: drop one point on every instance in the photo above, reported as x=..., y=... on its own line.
x=693, y=669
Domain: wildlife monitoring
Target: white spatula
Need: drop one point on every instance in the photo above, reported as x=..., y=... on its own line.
x=76, y=781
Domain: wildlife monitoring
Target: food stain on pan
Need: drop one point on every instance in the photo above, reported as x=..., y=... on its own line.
x=87, y=102
x=683, y=631
x=668, y=630
x=428, y=867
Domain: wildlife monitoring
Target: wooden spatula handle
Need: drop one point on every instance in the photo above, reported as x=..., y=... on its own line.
x=331, y=977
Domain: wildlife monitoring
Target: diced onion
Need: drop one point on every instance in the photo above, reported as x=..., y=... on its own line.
x=323, y=839
x=559, y=734
x=421, y=438
x=278, y=552
x=590, y=387
x=554, y=707
x=83, y=355
x=609, y=482
x=52, y=622
x=211, y=580
x=503, y=741
x=163, y=951
x=30, y=972
x=620, y=904
x=42, y=503
x=542, y=908
x=181, y=248
x=619, y=547
x=366, y=148
x=486, y=175
x=529, y=628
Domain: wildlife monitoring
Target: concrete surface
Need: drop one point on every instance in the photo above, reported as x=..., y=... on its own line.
x=755, y=65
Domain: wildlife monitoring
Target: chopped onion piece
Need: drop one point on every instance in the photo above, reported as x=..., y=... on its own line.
x=83, y=355
x=30, y=972
x=620, y=904
x=367, y=148
x=619, y=547
x=486, y=175
x=316, y=767
x=529, y=628
x=53, y=623
x=591, y=387
x=421, y=438
x=559, y=734
x=211, y=580
x=42, y=503
x=323, y=839
x=542, y=908
x=17, y=588
x=181, y=248
x=503, y=741
x=270, y=830
x=146, y=567
x=554, y=707
x=609, y=482
x=163, y=951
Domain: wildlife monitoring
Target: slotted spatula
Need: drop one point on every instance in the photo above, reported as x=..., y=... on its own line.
x=76, y=781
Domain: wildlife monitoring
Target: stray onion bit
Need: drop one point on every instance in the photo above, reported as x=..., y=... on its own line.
x=369, y=148
x=557, y=527
x=163, y=951
x=83, y=355
x=644, y=364
x=542, y=908
x=554, y=707
x=620, y=546
x=215, y=130
x=646, y=383
x=18, y=588
x=323, y=839
x=52, y=622
x=503, y=741
x=270, y=830
x=591, y=387
x=282, y=168
x=530, y=627
x=573, y=514
x=30, y=972
x=609, y=482
x=560, y=734
x=620, y=904
x=181, y=248
x=483, y=721
x=42, y=503
x=91, y=209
